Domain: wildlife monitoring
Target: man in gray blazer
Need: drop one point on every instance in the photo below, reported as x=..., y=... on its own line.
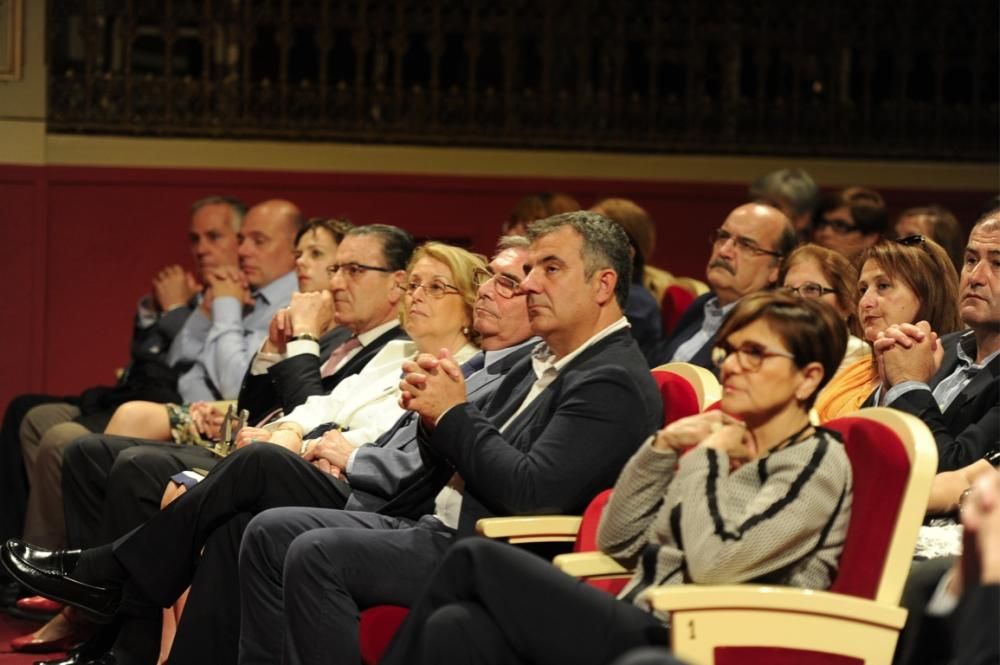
x=209, y=520
x=557, y=432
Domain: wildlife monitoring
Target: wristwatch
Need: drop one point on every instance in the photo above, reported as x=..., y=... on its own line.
x=305, y=337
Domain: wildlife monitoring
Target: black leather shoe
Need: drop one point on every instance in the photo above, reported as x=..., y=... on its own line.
x=47, y=573
x=78, y=657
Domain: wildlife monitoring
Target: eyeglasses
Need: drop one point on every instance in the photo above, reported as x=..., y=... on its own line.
x=719, y=237
x=749, y=356
x=435, y=289
x=353, y=270
x=912, y=241
x=506, y=287
x=839, y=226
x=809, y=290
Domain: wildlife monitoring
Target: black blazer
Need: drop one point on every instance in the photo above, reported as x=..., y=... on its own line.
x=290, y=382
x=688, y=326
x=387, y=469
x=970, y=427
x=566, y=447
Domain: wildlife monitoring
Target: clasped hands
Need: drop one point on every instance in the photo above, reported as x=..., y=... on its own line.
x=310, y=313
x=222, y=282
x=172, y=287
x=712, y=429
x=907, y=352
x=329, y=453
x=431, y=385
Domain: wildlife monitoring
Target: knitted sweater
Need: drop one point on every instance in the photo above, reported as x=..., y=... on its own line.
x=780, y=519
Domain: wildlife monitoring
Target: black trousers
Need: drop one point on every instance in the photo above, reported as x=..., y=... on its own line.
x=493, y=604
x=161, y=556
x=13, y=480
x=112, y=484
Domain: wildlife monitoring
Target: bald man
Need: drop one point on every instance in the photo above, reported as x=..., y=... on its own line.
x=746, y=256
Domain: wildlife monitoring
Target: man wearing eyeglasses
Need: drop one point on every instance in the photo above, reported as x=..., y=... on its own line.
x=850, y=221
x=746, y=257
x=557, y=432
x=261, y=476
x=370, y=263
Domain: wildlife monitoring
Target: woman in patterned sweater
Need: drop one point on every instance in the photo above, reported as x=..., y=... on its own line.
x=751, y=493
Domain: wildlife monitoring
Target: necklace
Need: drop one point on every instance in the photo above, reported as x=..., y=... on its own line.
x=792, y=440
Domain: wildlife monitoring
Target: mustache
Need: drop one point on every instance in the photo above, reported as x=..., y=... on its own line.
x=724, y=264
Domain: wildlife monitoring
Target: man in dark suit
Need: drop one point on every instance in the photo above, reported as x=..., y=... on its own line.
x=292, y=364
x=210, y=519
x=558, y=431
x=746, y=256
x=153, y=368
x=960, y=401
x=960, y=404
x=98, y=476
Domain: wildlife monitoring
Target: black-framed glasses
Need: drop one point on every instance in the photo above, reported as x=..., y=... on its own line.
x=505, y=285
x=435, y=288
x=839, y=226
x=354, y=270
x=809, y=290
x=719, y=237
x=750, y=356
x=912, y=241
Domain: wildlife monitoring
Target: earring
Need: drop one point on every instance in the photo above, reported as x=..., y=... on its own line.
x=465, y=331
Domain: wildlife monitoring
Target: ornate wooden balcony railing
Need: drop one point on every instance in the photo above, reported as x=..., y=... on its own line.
x=907, y=79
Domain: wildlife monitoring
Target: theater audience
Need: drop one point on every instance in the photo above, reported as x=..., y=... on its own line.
x=747, y=251
x=437, y=313
x=556, y=433
x=713, y=516
x=86, y=486
x=936, y=223
x=158, y=357
x=812, y=271
x=264, y=282
x=901, y=281
x=850, y=221
x=958, y=397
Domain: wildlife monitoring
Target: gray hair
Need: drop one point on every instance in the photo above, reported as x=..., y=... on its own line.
x=792, y=186
x=512, y=242
x=237, y=209
x=605, y=245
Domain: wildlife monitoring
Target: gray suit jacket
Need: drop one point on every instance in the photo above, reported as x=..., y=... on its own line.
x=383, y=469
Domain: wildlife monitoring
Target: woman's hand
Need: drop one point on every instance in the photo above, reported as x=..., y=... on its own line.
x=207, y=420
x=693, y=430
x=734, y=439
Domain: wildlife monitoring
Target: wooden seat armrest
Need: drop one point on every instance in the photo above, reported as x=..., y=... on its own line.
x=589, y=564
x=537, y=528
x=693, y=597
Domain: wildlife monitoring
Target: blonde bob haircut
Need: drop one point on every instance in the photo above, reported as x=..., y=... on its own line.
x=462, y=263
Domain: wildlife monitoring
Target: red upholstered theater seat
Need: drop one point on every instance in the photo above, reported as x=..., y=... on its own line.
x=676, y=299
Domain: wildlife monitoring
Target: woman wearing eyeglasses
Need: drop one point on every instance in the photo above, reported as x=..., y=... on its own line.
x=816, y=272
x=760, y=495
x=436, y=312
x=901, y=281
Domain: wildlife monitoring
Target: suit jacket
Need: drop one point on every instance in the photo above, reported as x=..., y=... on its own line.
x=556, y=455
x=687, y=327
x=288, y=383
x=395, y=462
x=970, y=427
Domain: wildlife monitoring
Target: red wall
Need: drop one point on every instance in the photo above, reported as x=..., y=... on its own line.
x=82, y=243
